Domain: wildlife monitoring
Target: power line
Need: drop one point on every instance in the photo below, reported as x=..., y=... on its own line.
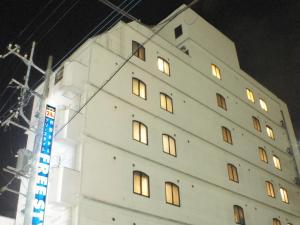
x=45, y=20
x=123, y=64
x=92, y=31
x=8, y=99
x=34, y=18
x=48, y=31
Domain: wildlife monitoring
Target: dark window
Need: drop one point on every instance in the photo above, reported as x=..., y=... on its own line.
x=59, y=75
x=221, y=101
x=138, y=50
x=141, y=183
x=227, y=135
x=239, y=215
x=178, y=31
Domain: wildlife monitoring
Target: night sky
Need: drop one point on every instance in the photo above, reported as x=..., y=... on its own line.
x=266, y=34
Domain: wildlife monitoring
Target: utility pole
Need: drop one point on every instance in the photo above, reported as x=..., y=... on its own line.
x=26, y=93
x=37, y=145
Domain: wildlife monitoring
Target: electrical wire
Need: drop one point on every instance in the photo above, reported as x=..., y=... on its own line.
x=122, y=65
x=93, y=32
x=34, y=18
x=45, y=20
x=8, y=99
x=57, y=22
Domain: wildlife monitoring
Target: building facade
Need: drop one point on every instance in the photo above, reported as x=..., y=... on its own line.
x=180, y=135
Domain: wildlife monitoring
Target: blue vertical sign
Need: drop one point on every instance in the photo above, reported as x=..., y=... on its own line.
x=41, y=181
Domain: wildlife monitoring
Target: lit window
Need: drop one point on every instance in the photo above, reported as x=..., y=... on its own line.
x=178, y=31
x=172, y=194
x=276, y=221
x=232, y=173
x=169, y=144
x=141, y=183
x=270, y=132
x=284, y=195
x=250, y=95
x=163, y=66
x=138, y=50
x=216, y=71
x=256, y=124
x=227, y=135
x=270, y=189
x=139, y=132
x=263, y=154
x=263, y=105
x=59, y=76
x=276, y=162
x=221, y=101
x=166, y=102
x=139, y=88
x=239, y=215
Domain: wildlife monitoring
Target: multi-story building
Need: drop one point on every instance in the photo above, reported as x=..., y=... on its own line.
x=180, y=135
x=6, y=221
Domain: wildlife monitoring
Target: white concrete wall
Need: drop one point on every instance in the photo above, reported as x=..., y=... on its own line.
x=6, y=221
x=102, y=149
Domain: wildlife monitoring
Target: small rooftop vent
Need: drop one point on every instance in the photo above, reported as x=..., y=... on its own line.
x=185, y=50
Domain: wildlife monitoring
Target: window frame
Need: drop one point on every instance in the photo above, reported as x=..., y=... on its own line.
x=270, y=132
x=256, y=123
x=284, y=195
x=164, y=63
x=216, y=71
x=169, y=144
x=168, y=101
x=137, y=49
x=178, y=31
x=276, y=162
x=59, y=75
x=227, y=137
x=276, y=221
x=232, y=173
x=141, y=175
x=221, y=101
x=140, y=124
x=270, y=189
x=263, y=154
x=263, y=105
x=250, y=95
x=173, y=185
x=239, y=216
x=139, y=82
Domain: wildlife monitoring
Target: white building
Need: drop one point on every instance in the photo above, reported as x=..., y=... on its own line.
x=6, y=221
x=181, y=135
